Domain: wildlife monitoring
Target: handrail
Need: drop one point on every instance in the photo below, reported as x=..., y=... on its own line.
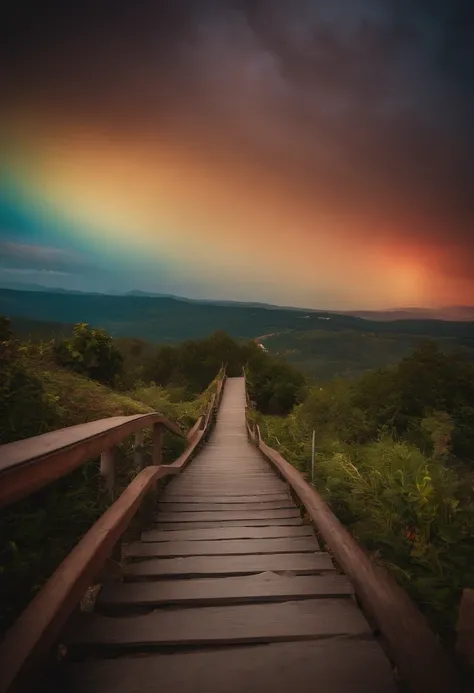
x=28, y=465
x=411, y=644
x=38, y=627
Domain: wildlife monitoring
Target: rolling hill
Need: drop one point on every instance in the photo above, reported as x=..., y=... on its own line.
x=167, y=319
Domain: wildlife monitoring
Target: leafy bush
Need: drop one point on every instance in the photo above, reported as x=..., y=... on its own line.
x=26, y=408
x=413, y=514
x=275, y=386
x=90, y=352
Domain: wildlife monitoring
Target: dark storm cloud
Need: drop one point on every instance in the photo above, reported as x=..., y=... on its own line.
x=364, y=106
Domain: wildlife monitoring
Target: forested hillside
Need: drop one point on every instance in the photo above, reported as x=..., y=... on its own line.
x=165, y=319
x=325, y=354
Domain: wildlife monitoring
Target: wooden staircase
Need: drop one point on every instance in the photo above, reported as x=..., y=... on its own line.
x=227, y=591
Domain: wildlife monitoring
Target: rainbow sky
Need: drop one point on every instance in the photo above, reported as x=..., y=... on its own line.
x=302, y=153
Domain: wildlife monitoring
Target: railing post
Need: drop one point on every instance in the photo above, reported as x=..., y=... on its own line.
x=139, y=457
x=157, y=444
x=107, y=470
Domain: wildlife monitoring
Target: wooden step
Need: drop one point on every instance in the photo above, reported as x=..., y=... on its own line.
x=171, y=490
x=223, y=515
x=229, y=590
x=220, y=533
x=230, y=523
x=166, y=498
x=223, y=625
x=326, y=666
x=212, y=507
x=232, y=547
x=222, y=488
x=298, y=563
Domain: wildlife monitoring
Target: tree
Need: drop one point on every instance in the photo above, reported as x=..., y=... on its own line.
x=91, y=352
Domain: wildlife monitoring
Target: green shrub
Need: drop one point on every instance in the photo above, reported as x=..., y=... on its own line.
x=90, y=352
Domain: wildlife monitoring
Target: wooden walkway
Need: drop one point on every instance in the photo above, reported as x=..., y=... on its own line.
x=227, y=592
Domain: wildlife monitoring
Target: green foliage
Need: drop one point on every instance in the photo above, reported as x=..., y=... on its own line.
x=26, y=409
x=194, y=363
x=425, y=384
x=324, y=354
x=275, y=386
x=384, y=462
x=90, y=352
x=413, y=514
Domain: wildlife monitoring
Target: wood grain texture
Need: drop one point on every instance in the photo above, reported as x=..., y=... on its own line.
x=225, y=532
x=286, y=521
x=273, y=622
x=212, y=507
x=297, y=563
x=231, y=547
x=276, y=668
x=221, y=515
x=230, y=590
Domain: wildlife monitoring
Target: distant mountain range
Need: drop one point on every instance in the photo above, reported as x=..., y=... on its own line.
x=171, y=319
x=447, y=313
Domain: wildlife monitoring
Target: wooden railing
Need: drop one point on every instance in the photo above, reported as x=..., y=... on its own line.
x=26, y=466
x=405, y=633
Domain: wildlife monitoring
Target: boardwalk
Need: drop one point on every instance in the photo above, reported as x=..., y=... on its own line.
x=227, y=592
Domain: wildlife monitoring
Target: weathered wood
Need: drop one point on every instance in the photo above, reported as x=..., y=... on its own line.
x=285, y=521
x=28, y=465
x=157, y=444
x=253, y=623
x=274, y=668
x=413, y=647
x=231, y=547
x=213, y=507
x=230, y=590
x=173, y=491
x=38, y=626
x=220, y=533
x=107, y=470
x=243, y=489
x=220, y=515
x=166, y=499
x=299, y=564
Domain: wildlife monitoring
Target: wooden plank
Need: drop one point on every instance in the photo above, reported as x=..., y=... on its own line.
x=224, y=488
x=222, y=515
x=226, y=532
x=327, y=666
x=219, y=625
x=33, y=633
x=229, y=590
x=166, y=498
x=231, y=547
x=171, y=491
x=404, y=628
x=300, y=564
x=283, y=521
x=212, y=507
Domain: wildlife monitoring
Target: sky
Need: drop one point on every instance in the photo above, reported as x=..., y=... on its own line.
x=306, y=153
